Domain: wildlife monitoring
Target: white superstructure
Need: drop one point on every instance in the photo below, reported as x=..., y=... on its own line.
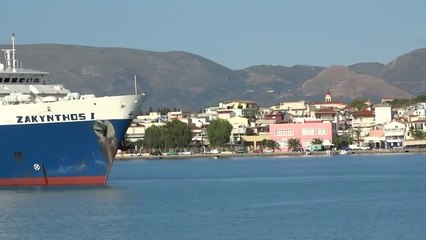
x=26, y=98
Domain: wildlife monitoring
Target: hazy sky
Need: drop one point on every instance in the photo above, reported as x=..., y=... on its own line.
x=233, y=33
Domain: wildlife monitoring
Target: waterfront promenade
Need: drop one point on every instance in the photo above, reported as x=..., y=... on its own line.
x=126, y=156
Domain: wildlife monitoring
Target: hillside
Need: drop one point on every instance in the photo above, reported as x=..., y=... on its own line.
x=346, y=84
x=408, y=72
x=191, y=82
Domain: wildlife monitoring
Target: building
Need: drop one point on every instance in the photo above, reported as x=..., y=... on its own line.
x=177, y=115
x=295, y=109
x=226, y=114
x=329, y=103
x=327, y=114
x=137, y=128
x=382, y=113
x=362, y=122
x=394, y=134
x=376, y=138
x=243, y=108
x=305, y=132
x=239, y=129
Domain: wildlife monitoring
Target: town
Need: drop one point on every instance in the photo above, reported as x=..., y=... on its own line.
x=324, y=125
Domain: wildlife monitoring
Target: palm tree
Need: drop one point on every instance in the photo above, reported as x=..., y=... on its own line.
x=293, y=144
x=357, y=133
x=317, y=141
x=270, y=144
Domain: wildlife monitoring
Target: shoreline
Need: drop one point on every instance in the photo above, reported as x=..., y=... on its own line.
x=146, y=156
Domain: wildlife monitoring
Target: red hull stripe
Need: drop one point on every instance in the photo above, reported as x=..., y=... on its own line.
x=39, y=181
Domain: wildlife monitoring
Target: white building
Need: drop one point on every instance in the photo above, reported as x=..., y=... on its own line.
x=382, y=113
x=239, y=128
x=394, y=134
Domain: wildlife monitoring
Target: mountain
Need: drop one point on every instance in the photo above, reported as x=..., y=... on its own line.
x=191, y=82
x=346, y=84
x=373, y=69
x=408, y=72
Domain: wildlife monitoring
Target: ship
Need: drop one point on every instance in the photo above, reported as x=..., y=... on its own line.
x=50, y=135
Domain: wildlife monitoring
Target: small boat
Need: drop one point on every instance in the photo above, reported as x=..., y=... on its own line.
x=343, y=152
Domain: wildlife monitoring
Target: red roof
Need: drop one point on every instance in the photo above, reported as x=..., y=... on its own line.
x=325, y=111
x=328, y=103
x=377, y=132
x=363, y=113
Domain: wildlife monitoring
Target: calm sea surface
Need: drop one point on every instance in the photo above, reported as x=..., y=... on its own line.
x=308, y=197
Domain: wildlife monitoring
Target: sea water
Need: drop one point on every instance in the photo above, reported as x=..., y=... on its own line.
x=307, y=197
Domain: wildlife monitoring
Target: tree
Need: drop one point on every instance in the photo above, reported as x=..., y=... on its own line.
x=359, y=103
x=343, y=141
x=357, y=133
x=218, y=132
x=293, y=144
x=420, y=98
x=417, y=133
x=270, y=144
x=153, y=138
x=317, y=141
x=176, y=134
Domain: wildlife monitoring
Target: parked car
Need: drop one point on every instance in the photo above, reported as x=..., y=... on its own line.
x=240, y=151
x=299, y=149
x=213, y=151
x=185, y=153
x=171, y=153
x=156, y=153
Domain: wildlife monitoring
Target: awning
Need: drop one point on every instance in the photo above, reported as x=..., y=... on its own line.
x=327, y=143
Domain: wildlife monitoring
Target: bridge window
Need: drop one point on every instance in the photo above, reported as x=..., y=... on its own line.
x=6, y=80
x=36, y=80
x=21, y=80
x=14, y=80
x=1, y=79
x=29, y=80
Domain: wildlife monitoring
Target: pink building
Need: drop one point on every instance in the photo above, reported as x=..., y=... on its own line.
x=305, y=132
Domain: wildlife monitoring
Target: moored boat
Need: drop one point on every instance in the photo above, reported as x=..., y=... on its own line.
x=343, y=152
x=52, y=136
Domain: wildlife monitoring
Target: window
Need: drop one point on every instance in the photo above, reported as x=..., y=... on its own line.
x=14, y=80
x=6, y=80
x=21, y=80
x=29, y=80
x=1, y=79
x=283, y=132
x=36, y=80
x=308, y=131
x=283, y=143
x=322, y=131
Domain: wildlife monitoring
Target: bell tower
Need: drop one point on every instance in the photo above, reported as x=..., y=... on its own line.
x=327, y=97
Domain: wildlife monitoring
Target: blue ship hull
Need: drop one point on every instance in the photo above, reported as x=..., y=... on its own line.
x=70, y=153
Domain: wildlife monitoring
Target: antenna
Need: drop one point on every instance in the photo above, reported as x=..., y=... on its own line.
x=13, y=53
x=136, y=86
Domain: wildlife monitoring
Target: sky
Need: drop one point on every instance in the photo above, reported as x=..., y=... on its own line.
x=234, y=33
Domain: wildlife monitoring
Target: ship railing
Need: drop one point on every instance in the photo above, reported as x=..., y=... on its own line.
x=17, y=99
